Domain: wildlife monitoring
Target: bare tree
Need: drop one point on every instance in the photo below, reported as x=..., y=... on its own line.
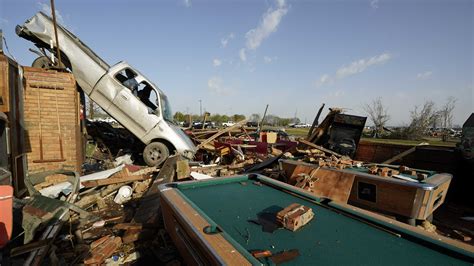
x=421, y=120
x=92, y=109
x=255, y=118
x=446, y=112
x=446, y=116
x=378, y=114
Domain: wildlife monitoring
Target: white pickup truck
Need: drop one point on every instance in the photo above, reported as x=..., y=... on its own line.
x=228, y=124
x=123, y=92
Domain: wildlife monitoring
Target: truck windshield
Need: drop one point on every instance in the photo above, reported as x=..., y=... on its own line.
x=166, y=108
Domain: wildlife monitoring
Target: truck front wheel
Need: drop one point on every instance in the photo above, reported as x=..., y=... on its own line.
x=155, y=153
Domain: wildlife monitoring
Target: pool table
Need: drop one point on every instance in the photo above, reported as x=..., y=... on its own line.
x=212, y=222
x=407, y=200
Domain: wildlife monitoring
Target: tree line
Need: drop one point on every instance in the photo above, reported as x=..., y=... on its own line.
x=422, y=118
x=271, y=120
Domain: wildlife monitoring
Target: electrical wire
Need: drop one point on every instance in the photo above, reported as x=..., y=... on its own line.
x=8, y=50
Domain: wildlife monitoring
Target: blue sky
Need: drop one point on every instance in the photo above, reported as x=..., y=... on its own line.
x=237, y=56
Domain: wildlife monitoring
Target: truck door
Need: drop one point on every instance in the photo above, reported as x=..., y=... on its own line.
x=130, y=107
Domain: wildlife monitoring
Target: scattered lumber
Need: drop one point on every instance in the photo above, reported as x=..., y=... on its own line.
x=319, y=147
x=403, y=154
x=221, y=132
x=113, y=180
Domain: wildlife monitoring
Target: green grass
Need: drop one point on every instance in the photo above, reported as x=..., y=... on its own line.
x=431, y=141
x=299, y=132
x=303, y=132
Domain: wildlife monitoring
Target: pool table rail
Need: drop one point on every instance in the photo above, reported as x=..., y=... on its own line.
x=193, y=243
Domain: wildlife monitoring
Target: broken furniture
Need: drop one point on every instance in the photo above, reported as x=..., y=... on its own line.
x=394, y=190
x=48, y=214
x=209, y=222
x=338, y=132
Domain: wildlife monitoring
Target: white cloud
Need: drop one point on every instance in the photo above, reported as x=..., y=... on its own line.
x=187, y=3
x=268, y=59
x=3, y=21
x=216, y=86
x=216, y=62
x=225, y=40
x=323, y=80
x=374, y=4
x=268, y=25
x=361, y=65
x=47, y=9
x=281, y=3
x=353, y=68
x=424, y=75
x=338, y=93
x=243, y=55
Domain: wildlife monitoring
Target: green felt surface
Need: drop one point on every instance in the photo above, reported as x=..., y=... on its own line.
x=329, y=239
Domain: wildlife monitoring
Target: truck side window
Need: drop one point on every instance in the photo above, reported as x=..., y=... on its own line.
x=148, y=96
x=127, y=78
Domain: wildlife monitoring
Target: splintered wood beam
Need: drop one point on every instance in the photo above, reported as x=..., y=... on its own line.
x=221, y=132
x=315, y=122
x=114, y=180
x=319, y=147
x=403, y=154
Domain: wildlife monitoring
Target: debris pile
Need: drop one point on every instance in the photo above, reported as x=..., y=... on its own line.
x=111, y=214
x=99, y=224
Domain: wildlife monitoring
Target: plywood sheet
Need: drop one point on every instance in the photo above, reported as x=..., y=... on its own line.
x=333, y=185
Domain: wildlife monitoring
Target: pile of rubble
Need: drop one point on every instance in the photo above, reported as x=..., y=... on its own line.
x=113, y=215
x=92, y=219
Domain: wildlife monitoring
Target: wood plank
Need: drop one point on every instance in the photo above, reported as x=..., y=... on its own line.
x=110, y=181
x=403, y=154
x=182, y=169
x=128, y=226
x=30, y=247
x=149, y=207
x=221, y=132
x=333, y=185
x=319, y=147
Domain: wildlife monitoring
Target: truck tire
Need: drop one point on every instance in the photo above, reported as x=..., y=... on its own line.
x=155, y=153
x=42, y=62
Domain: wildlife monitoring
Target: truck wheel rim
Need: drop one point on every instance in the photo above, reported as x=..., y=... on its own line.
x=155, y=155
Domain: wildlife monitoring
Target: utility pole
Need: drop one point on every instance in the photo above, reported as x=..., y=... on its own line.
x=200, y=108
x=294, y=119
x=58, y=52
x=263, y=119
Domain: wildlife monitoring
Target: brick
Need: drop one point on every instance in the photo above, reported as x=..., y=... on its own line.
x=54, y=104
